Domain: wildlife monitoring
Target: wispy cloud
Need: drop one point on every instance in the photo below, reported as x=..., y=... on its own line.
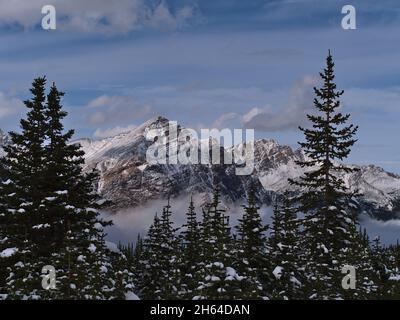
x=226, y=120
x=289, y=116
x=107, y=110
x=388, y=231
x=97, y=16
x=129, y=222
x=162, y=17
x=9, y=105
x=110, y=132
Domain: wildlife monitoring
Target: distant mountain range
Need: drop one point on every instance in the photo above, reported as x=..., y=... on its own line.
x=128, y=180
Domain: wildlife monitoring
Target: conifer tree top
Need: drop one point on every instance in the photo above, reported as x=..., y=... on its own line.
x=329, y=139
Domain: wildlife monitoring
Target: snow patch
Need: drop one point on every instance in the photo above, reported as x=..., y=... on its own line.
x=112, y=246
x=131, y=296
x=277, y=272
x=8, y=252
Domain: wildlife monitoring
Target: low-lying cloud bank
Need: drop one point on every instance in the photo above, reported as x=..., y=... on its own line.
x=130, y=222
x=388, y=231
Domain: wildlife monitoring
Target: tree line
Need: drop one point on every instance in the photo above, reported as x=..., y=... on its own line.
x=207, y=259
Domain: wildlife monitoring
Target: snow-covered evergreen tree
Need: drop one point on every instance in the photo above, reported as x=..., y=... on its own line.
x=190, y=257
x=380, y=264
x=328, y=224
x=21, y=252
x=147, y=285
x=218, y=278
x=131, y=251
x=6, y=221
x=51, y=215
x=170, y=274
x=135, y=261
x=253, y=255
x=360, y=257
x=133, y=254
x=286, y=253
x=159, y=264
x=393, y=254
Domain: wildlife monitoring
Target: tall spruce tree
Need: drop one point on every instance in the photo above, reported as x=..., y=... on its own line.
x=393, y=254
x=190, y=258
x=94, y=271
x=136, y=256
x=170, y=275
x=21, y=197
x=328, y=224
x=51, y=212
x=218, y=278
x=286, y=252
x=159, y=264
x=380, y=262
x=149, y=286
x=253, y=256
x=360, y=257
x=5, y=221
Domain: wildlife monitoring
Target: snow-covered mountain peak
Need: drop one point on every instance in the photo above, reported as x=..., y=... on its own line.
x=128, y=179
x=266, y=144
x=126, y=176
x=109, y=151
x=158, y=122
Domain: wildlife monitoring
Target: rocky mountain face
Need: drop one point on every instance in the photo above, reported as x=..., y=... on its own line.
x=275, y=164
x=129, y=180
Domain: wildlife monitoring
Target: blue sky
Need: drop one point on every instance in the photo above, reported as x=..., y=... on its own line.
x=205, y=63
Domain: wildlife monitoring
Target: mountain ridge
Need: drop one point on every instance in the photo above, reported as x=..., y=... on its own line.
x=128, y=180
x=122, y=162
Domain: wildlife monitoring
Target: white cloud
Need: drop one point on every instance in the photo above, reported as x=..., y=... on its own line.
x=115, y=109
x=163, y=18
x=103, y=100
x=204, y=107
x=97, y=16
x=111, y=132
x=388, y=231
x=131, y=221
x=226, y=120
x=9, y=105
x=291, y=115
x=268, y=118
